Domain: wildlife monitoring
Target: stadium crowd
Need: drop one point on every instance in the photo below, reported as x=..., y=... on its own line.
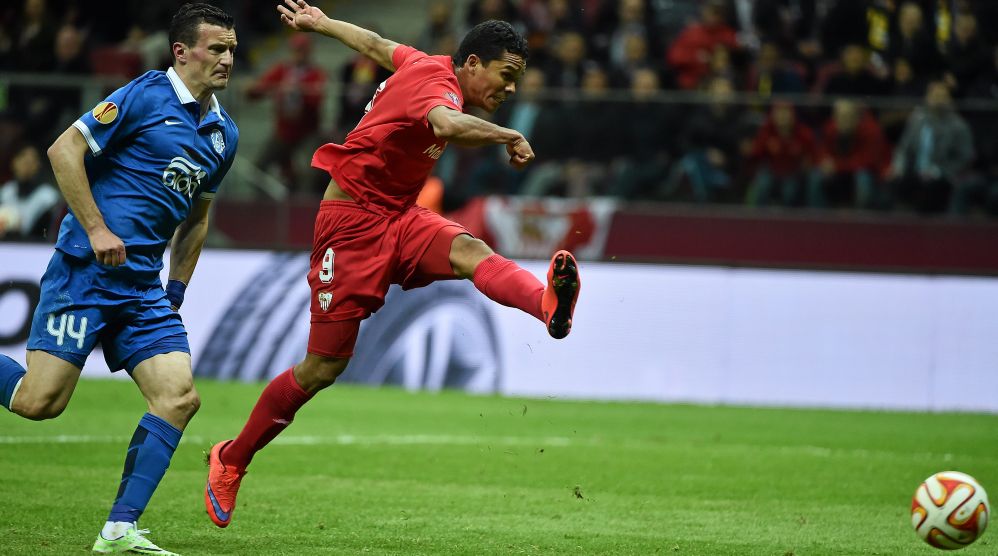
x=869, y=104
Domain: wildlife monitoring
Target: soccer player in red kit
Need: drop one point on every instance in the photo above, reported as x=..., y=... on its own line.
x=369, y=233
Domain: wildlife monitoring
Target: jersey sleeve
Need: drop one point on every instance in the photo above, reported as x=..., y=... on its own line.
x=404, y=53
x=436, y=91
x=116, y=117
x=208, y=192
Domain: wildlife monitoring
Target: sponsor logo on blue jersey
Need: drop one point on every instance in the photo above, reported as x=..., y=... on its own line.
x=152, y=154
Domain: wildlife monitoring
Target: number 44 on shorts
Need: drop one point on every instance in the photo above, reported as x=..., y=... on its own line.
x=65, y=328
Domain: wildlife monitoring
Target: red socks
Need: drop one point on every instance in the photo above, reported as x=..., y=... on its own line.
x=503, y=281
x=273, y=412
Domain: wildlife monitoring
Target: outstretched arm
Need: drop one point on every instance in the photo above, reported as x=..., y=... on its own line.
x=298, y=15
x=467, y=130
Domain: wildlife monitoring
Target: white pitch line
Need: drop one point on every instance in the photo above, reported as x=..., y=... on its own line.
x=471, y=440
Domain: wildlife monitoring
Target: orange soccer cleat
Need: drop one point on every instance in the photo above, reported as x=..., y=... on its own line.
x=558, y=301
x=223, y=484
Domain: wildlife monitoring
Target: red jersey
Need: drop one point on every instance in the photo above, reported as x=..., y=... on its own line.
x=386, y=159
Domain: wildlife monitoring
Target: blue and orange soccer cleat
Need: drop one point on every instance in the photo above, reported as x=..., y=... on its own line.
x=223, y=484
x=558, y=301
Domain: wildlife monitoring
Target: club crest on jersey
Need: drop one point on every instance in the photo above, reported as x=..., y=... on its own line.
x=217, y=141
x=105, y=112
x=453, y=98
x=325, y=298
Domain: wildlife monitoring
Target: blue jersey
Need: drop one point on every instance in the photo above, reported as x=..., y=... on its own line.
x=151, y=156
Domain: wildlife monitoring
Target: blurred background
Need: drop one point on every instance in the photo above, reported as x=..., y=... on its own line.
x=858, y=134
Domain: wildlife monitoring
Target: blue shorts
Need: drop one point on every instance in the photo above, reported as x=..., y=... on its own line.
x=83, y=302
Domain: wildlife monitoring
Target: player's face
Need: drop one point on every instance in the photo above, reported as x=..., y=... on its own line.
x=210, y=60
x=493, y=83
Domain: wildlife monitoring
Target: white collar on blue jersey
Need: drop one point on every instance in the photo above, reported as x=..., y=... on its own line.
x=185, y=96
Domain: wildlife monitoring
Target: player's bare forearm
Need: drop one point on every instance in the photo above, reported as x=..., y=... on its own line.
x=468, y=131
x=298, y=15
x=187, y=243
x=365, y=41
x=66, y=155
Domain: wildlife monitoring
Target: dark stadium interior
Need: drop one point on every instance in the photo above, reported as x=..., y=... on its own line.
x=836, y=130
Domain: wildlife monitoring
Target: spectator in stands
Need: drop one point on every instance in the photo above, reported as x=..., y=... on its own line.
x=904, y=82
x=689, y=55
x=851, y=75
x=635, y=60
x=673, y=16
x=649, y=142
x=782, y=154
x=484, y=10
x=566, y=68
x=865, y=23
x=934, y=151
x=788, y=24
x=546, y=19
x=720, y=65
x=439, y=26
x=904, y=88
x=967, y=55
x=586, y=138
x=852, y=159
x=593, y=150
x=35, y=35
x=50, y=109
x=27, y=202
x=631, y=22
x=980, y=191
x=713, y=141
x=914, y=41
x=772, y=75
x=297, y=87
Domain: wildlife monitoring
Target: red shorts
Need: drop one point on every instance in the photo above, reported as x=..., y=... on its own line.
x=357, y=255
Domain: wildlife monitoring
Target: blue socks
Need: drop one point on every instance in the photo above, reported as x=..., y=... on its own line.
x=10, y=376
x=149, y=455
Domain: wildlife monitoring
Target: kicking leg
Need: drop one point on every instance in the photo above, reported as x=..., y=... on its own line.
x=505, y=282
x=499, y=278
x=41, y=392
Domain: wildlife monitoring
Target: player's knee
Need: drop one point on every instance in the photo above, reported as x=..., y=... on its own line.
x=315, y=373
x=190, y=403
x=178, y=408
x=466, y=254
x=39, y=408
x=186, y=404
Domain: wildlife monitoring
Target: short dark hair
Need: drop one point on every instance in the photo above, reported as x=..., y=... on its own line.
x=184, y=26
x=488, y=40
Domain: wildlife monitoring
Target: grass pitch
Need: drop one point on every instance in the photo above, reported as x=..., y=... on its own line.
x=366, y=471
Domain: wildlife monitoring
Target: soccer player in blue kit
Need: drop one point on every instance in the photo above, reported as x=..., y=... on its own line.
x=138, y=170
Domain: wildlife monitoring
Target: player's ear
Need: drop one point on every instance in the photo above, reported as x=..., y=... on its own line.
x=473, y=62
x=179, y=51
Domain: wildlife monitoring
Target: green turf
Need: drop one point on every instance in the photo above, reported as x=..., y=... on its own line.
x=400, y=473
